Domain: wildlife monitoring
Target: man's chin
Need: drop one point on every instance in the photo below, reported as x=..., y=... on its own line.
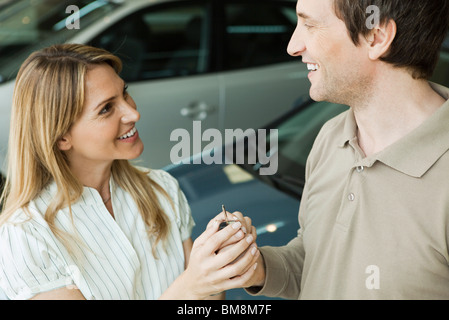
x=316, y=96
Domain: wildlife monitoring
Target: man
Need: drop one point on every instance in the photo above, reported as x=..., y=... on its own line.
x=374, y=216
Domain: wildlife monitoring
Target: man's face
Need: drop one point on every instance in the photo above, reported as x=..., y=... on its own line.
x=339, y=71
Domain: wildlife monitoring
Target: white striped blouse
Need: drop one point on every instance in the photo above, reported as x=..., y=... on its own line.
x=114, y=259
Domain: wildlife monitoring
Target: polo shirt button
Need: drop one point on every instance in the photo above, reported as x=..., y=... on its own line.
x=360, y=169
x=351, y=197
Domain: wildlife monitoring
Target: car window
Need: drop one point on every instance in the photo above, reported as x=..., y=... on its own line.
x=161, y=41
x=441, y=73
x=257, y=33
x=296, y=135
x=26, y=26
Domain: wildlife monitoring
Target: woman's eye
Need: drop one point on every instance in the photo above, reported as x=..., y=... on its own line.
x=106, y=109
x=125, y=91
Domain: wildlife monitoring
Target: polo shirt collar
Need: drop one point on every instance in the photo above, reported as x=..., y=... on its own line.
x=418, y=151
x=349, y=129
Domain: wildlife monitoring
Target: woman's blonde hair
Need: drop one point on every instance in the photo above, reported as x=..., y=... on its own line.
x=48, y=99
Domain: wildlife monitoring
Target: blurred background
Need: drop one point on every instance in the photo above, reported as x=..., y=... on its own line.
x=221, y=62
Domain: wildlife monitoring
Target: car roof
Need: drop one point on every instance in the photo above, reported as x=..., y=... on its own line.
x=132, y=5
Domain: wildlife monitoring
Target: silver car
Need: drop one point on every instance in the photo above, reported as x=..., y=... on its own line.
x=221, y=62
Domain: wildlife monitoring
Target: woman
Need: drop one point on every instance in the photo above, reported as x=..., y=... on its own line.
x=79, y=221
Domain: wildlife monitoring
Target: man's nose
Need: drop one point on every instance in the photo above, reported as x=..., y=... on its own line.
x=296, y=46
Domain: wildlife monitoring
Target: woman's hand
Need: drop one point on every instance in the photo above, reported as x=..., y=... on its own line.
x=247, y=227
x=213, y=268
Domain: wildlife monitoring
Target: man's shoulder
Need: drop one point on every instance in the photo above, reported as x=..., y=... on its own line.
x=333, y=128
x=330, y=137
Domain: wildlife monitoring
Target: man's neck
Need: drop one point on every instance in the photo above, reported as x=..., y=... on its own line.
x=397, y=105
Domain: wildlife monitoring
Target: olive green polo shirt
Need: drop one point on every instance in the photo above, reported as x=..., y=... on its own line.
x=372, y=227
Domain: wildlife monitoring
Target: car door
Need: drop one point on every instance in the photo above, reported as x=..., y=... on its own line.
x=165, y=49
x=262, y=81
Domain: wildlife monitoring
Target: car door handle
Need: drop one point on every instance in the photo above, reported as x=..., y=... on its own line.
x=197, y=110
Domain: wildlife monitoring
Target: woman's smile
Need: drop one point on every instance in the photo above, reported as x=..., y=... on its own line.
x=127, y=137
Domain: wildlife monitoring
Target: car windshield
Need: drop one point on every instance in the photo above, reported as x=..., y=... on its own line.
x=28, y=25
x=296, y=134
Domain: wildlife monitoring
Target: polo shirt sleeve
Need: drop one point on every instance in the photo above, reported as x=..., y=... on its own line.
x=28, y=263
x=283, y=268
x=284, y=265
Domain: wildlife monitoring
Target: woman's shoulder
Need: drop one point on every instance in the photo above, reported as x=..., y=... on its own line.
x=31, y=215
x=163, y=179
x=182, y=212
x=16, y=222
x=162, y=175
x=24, y=216
x=22, y=223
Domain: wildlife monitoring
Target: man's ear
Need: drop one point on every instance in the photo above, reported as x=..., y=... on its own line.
x=380, y=39
x=64, y=143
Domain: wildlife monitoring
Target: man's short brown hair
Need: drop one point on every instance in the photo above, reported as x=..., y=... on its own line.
x=421, y=28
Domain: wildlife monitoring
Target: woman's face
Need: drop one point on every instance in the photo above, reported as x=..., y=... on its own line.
x=106, y=128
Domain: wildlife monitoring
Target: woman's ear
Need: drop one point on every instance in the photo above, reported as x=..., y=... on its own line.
x=64, y=143
x=380, y=39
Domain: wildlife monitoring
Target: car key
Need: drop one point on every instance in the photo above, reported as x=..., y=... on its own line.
x=225, y=223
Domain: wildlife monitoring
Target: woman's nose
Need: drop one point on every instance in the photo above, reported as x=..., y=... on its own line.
x=130, y=113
